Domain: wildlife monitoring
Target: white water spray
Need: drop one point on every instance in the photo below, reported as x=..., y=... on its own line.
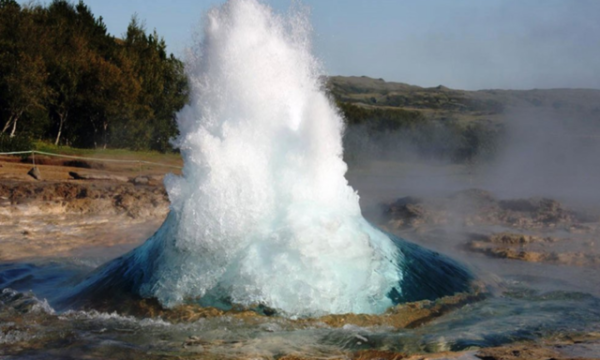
x=262, y=213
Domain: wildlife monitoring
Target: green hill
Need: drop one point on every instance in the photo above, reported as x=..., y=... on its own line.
x=460, y=125
x=441, y=102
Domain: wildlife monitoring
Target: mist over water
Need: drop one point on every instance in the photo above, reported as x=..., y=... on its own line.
x=262, y=213
x=548, y=153
x=537, y=152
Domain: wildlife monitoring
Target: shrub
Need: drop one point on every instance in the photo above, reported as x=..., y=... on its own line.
x=15, y=143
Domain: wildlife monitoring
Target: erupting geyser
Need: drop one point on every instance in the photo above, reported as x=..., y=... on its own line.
x=262, y=213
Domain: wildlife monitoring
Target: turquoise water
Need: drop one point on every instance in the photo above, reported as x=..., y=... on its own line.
x=35, y=323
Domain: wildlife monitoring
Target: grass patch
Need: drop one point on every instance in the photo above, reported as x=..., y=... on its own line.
x=119, y=154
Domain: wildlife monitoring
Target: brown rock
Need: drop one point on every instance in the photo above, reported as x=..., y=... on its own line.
x=140, y=180
x=35, y=173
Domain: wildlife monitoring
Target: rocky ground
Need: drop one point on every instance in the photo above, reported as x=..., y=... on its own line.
x=532, y=230
x=61, y=216
x=66, y=215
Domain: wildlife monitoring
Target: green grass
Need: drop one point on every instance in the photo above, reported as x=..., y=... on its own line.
x=154, y=156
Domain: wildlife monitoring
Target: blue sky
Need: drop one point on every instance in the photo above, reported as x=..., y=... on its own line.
x=466, y=44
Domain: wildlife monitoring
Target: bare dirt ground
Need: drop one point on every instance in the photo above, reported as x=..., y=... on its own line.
x=58, y=216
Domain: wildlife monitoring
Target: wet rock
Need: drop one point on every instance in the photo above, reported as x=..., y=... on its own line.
x=506, y=238
x=407, y=207
x=409, y=315
x=407, y=211
x=516, y=246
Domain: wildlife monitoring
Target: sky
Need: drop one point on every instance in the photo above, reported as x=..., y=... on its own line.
x=463, y=44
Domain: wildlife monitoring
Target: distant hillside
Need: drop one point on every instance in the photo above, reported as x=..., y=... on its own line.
x=391, y=119
x=441, y=102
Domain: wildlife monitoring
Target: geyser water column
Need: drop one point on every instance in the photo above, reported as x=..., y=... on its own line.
x=262, y=213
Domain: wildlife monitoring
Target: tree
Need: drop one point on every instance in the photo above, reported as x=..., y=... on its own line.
x=111, y=93
x=163, y=92
x=67, y=54
x=76, y=84
x=23, y=84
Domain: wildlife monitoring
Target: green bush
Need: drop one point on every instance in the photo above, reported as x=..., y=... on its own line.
x=16, y=143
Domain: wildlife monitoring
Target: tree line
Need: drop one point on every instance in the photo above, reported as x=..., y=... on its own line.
x=64, y=79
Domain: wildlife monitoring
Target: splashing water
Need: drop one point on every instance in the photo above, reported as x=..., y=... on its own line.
x=262, y=213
